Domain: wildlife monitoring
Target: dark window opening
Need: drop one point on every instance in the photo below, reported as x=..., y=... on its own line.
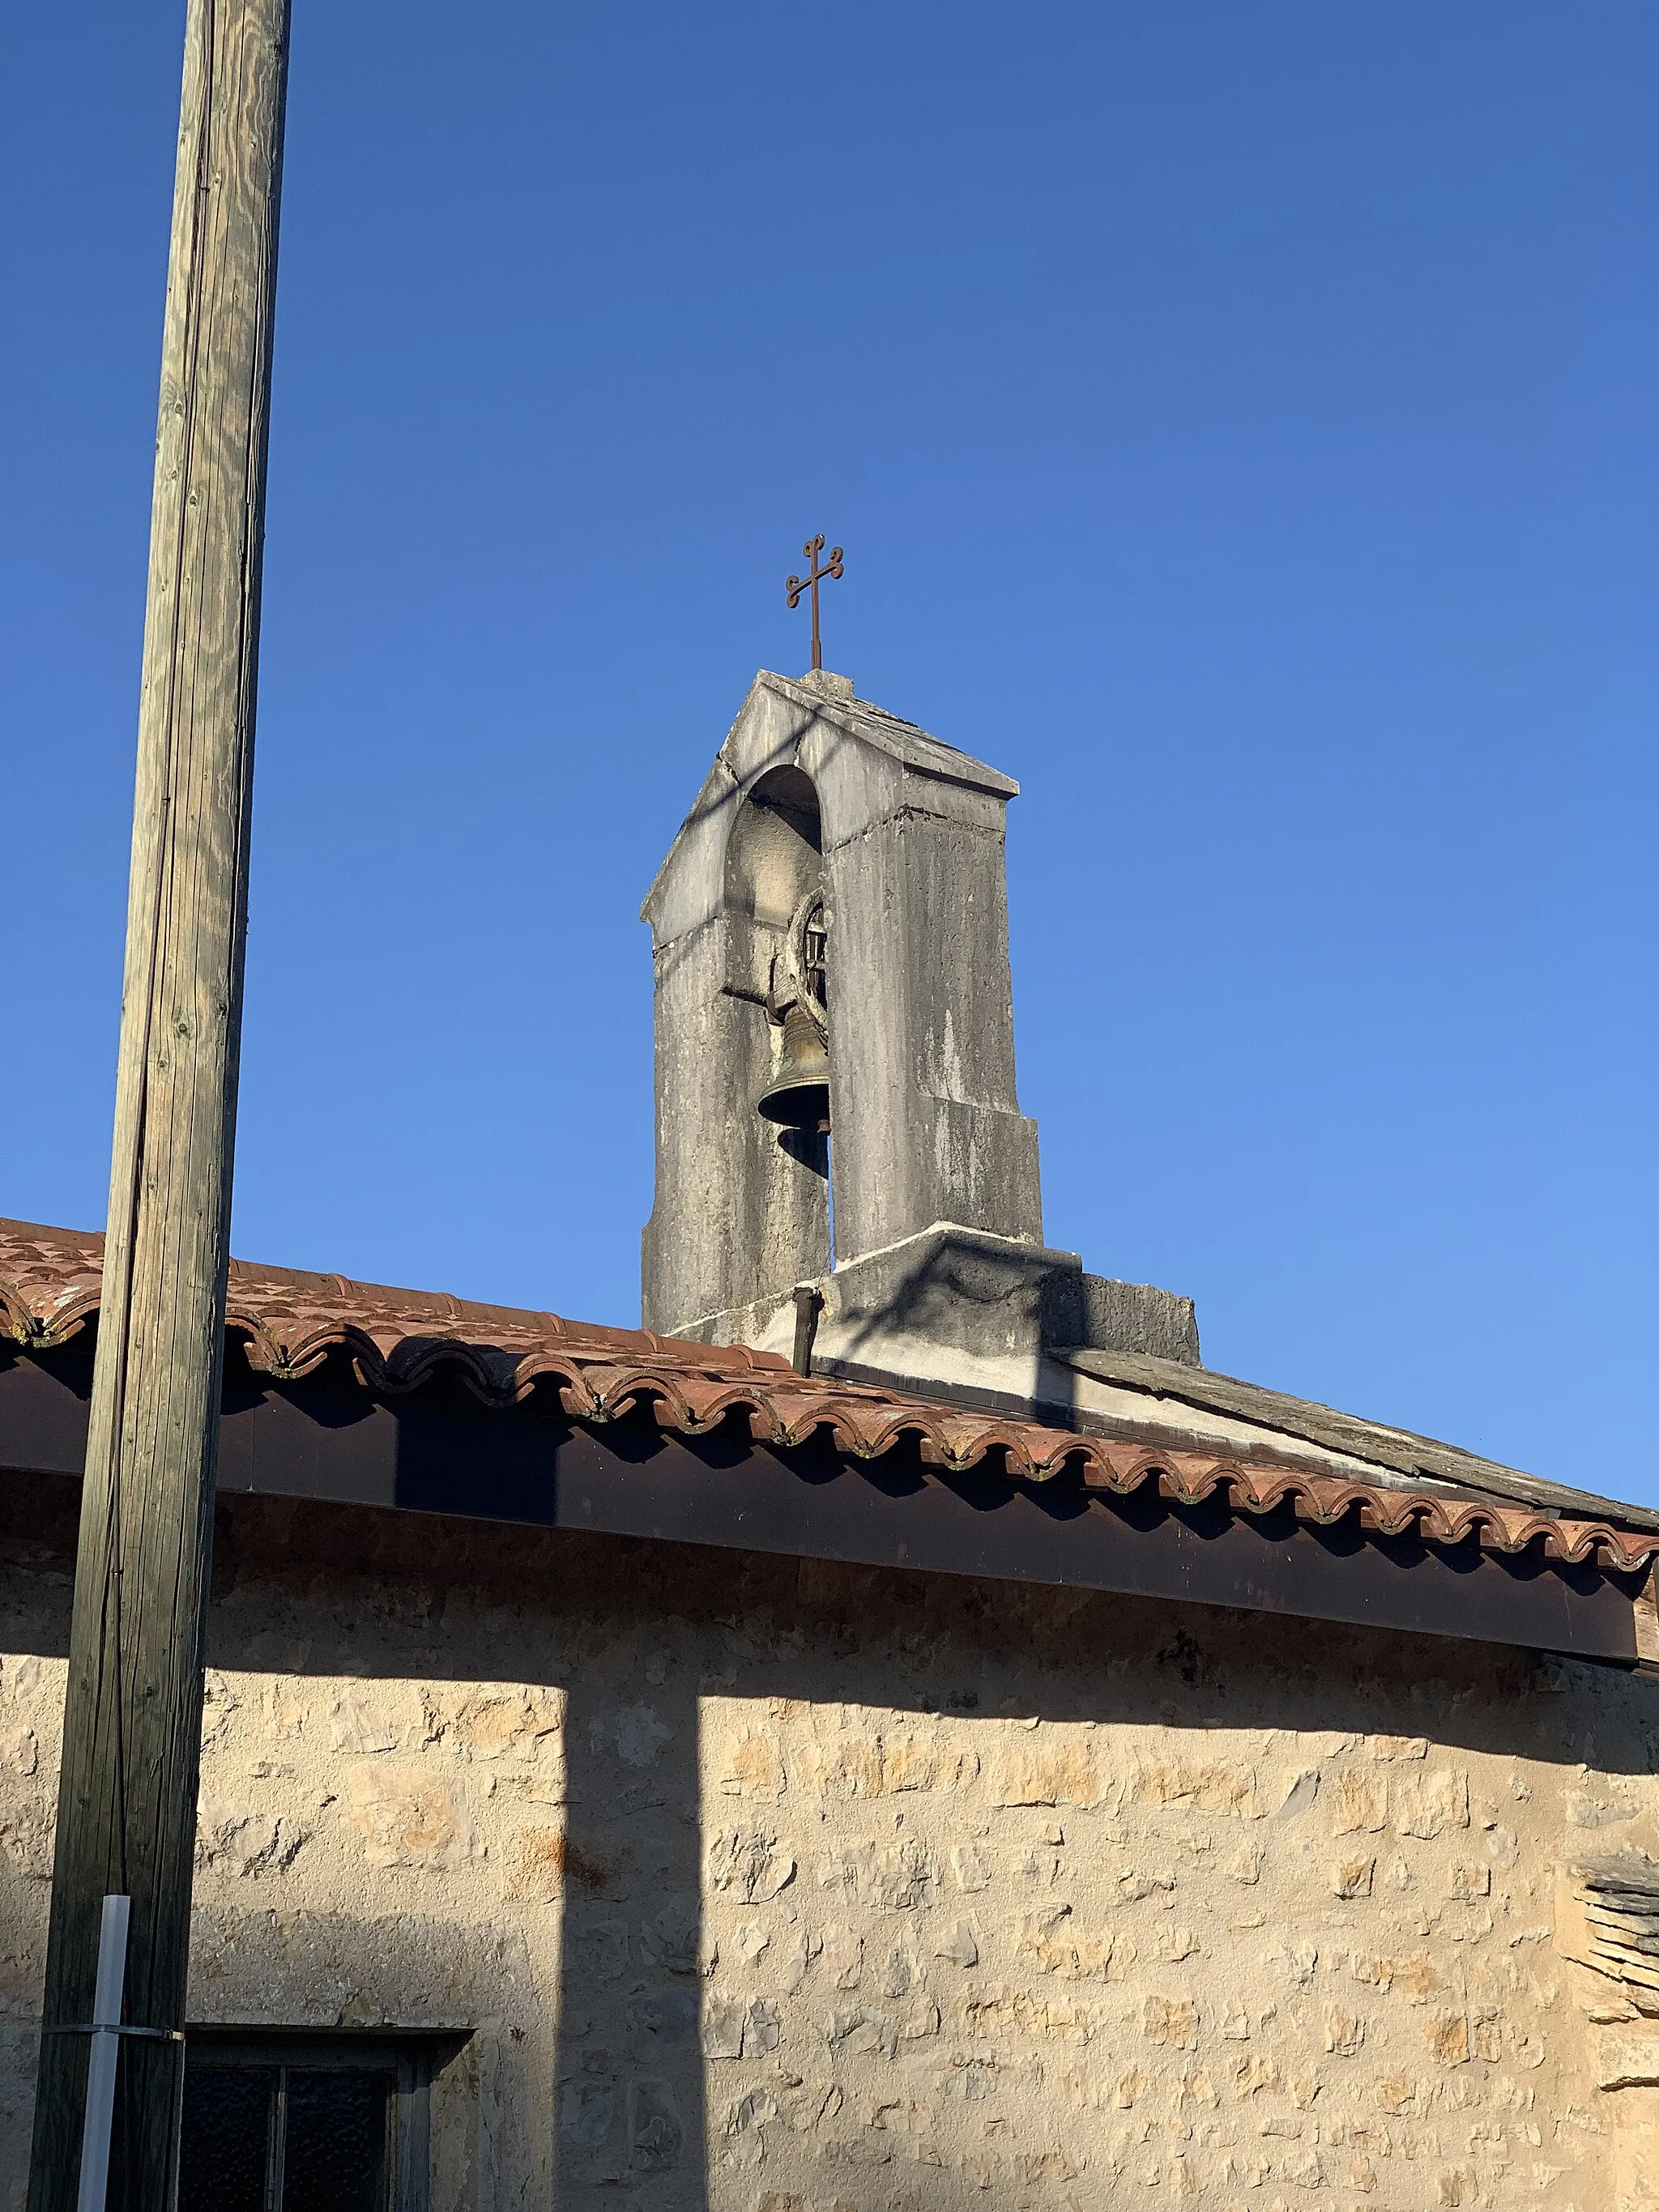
x=294, y=2123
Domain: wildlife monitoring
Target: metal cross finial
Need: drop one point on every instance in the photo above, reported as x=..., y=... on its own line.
x=797, y=585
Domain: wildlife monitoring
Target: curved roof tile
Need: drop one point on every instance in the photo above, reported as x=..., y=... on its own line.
x=290, y=1320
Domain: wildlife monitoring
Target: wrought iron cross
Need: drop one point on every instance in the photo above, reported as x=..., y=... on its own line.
x=809, y=582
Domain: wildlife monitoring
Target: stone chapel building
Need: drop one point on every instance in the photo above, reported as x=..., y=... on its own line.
x=895, y=1734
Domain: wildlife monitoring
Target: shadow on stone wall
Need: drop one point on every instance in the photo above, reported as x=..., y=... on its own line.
x=628, y=2091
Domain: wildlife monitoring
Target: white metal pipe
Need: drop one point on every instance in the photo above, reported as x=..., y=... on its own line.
x=106, y=2045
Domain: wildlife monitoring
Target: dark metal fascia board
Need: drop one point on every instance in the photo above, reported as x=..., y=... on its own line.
x=442, y=1452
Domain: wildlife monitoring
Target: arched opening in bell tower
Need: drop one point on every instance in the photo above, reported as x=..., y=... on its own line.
x=779, y=962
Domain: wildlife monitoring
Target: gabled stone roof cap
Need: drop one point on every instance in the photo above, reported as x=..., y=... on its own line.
x=906, y=741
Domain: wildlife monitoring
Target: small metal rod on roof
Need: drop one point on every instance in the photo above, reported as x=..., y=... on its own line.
x=809, y=1304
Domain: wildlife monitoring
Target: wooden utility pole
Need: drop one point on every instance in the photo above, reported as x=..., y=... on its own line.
x=132, y=1721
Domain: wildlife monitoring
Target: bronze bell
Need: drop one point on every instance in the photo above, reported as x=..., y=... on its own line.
x=797, y=1094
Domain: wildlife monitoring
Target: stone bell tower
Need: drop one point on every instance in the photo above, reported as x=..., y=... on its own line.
x=830, y=929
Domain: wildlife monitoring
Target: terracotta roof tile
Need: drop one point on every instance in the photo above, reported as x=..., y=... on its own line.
x=289, y=1321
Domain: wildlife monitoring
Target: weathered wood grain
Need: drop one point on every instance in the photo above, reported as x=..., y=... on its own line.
x=132, y=1722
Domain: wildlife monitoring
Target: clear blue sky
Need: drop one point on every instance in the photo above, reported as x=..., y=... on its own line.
x=1240, y=421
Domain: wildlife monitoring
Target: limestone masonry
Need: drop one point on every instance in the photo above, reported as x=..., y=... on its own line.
x=767, y=1885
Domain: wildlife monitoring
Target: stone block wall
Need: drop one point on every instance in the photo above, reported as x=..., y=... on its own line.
x=766, y=1886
